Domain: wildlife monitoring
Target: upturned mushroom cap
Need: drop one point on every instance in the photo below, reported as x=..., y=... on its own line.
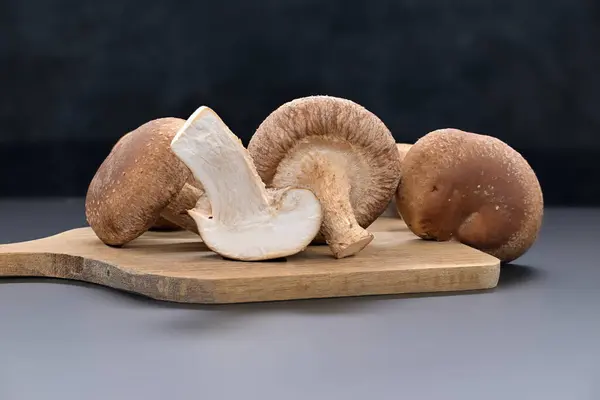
x=140, y=177
x=472, y=188
x=342, y=152
x=246, y=221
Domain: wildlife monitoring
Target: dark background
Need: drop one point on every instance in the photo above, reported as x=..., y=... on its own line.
x=75, y=75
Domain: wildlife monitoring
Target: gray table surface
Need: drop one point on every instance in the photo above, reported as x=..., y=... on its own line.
x=536, y=336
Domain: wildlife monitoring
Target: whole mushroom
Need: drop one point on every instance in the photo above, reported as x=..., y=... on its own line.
x=472, y=188
x=140, y=182
x=339, y=150
x=246, y=221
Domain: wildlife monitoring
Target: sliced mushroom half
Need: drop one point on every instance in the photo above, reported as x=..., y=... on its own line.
x=247, y=222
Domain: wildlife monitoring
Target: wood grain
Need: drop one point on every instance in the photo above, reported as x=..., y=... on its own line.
x=176, y=266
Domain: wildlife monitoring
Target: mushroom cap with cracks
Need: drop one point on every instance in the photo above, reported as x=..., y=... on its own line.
x=471, y=188
x=138, y=181
x=342, y=152
x=247, y=222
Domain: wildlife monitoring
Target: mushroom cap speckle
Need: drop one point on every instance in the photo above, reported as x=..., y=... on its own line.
x=472, y=188
x=343, y=129
x=138, y=179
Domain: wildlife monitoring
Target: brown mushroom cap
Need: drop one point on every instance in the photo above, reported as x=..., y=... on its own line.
x=472, y=188
x=139, y=178
x=334, y=147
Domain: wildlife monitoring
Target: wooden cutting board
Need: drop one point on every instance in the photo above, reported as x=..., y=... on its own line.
x=176, y=266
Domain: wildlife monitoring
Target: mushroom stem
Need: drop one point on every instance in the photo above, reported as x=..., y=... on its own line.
x=245, y=221
x=341, y=231
x=176, y=211
x=326, y=171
